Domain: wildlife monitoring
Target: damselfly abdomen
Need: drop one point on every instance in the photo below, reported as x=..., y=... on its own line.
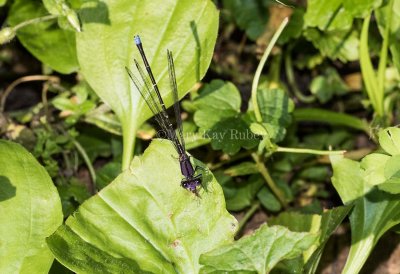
x=152, y=96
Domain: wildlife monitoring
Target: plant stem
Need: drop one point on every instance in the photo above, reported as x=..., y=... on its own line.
x=248, y=215
x=260, y=67
x=34, y=21
x=128, y=139
x=292, y=82
x=29, y=78
x=89, y=165
x=268, y=179
x=310, y=151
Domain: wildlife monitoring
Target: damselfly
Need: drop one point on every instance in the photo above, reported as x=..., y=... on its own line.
x=151, y=95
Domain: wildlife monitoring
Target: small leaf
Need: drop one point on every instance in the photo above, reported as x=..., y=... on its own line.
x=30, y=211
x=145, y=221
x=239, y=195
x=250, y=15
x=45, y=40
x=276, y=108
x=107, y=173
x=327, y=85
x=327, y=15
x=218, y=100
x=389, y=139
x=348, y=179
x=374, y=168
x=258, y=252
x=269, y=200
x=232, y=134
x=342, y=45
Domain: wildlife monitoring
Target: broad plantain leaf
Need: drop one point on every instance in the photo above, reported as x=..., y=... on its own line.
x=257, y=253
x=144, y=221
x=30, y=211
x=46, y=41
x=106, y=47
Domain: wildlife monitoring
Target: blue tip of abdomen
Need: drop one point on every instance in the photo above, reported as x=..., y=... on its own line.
x=137, y=40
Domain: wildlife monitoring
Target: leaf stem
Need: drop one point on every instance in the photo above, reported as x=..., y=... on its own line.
x=292, y=82
x=34, y=21
x=310, y=151
x=29, y=78
x=260, y=67
x=268, y=179
x=89, y=165
x=248, y=215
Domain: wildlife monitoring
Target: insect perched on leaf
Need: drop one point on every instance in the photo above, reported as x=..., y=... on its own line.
x=151, y=95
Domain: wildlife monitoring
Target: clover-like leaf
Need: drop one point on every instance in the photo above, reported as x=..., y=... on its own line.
x=276, y=108
x=30, y=211
x=145, y=221
x=258, y=252
x=53, y=46
x=231, y=134
x=217, y=101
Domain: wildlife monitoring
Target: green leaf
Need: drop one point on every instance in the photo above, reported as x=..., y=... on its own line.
x=145, y=221
x=342, y=45
x=244, y=168
x=61, y=8
x=325, y=224
x=374, y=168
x=30, y=211
x=239, y=195
x=106, y=47
x=46, y=41
x=107, y=173
x=348, y=179
x=389, y=139
x=327, y=85
x=330, y=117
x=276, y=108
x=294, y=28
x=250, y=15
x=327, y=15
x=360, y=8
x=258, y=252
x=2, y=2
x=218, y=100
x=269, y=200
x=372, y=216
x=232, y=134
